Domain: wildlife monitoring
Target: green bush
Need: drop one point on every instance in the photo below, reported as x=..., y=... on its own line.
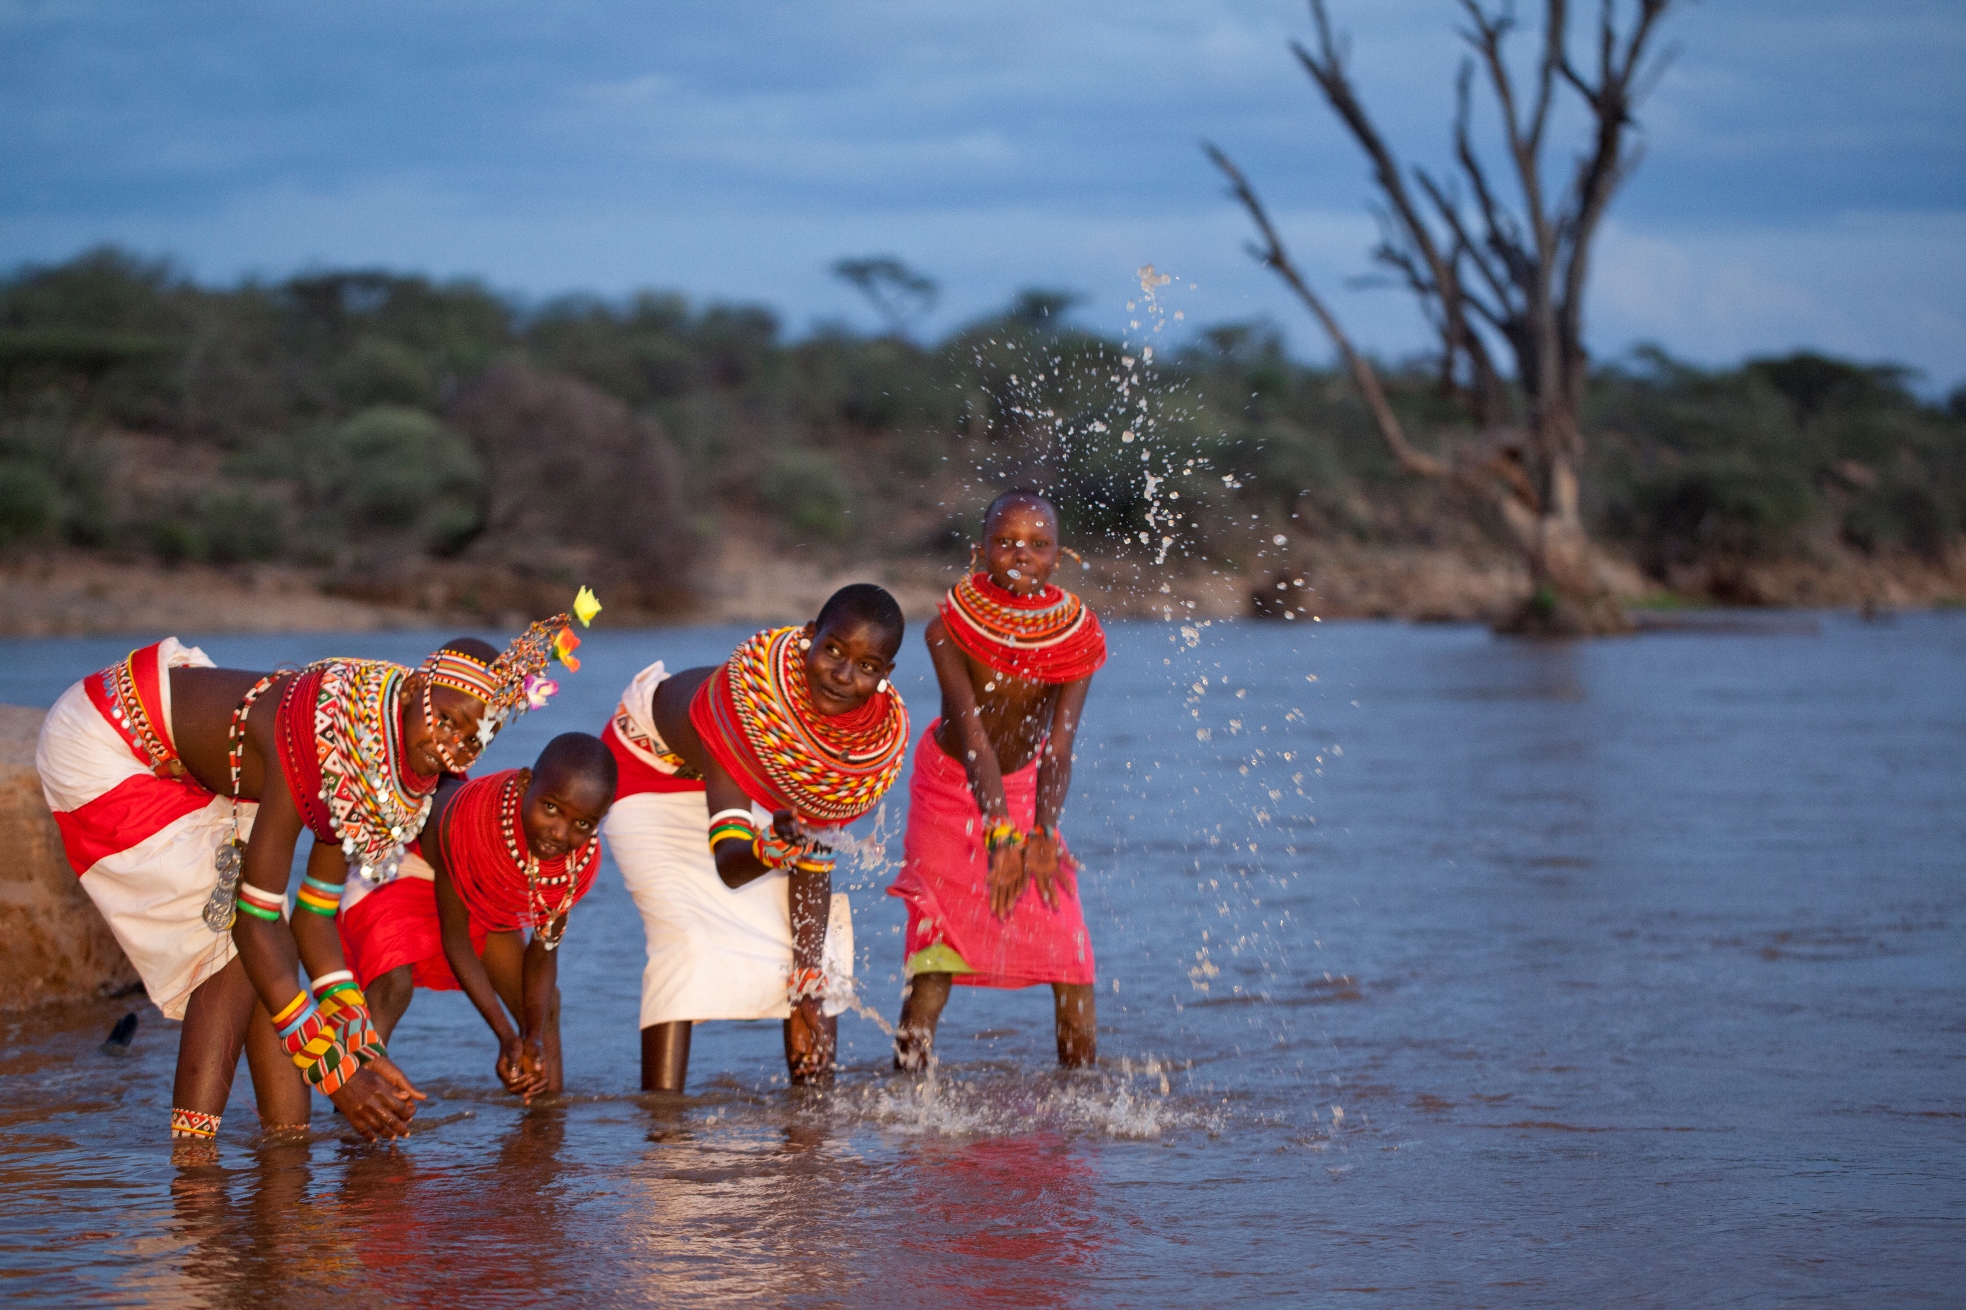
x=30, y=502
x=398, y=471
x=806, y=491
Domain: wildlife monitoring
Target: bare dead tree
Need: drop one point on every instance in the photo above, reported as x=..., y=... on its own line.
x=1494, y=271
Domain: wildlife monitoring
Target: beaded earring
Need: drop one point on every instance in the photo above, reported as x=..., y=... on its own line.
x=882, y=687
x=805, y=643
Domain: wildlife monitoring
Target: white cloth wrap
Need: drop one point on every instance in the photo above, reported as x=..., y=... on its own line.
x=152, y=893
x=715, y=952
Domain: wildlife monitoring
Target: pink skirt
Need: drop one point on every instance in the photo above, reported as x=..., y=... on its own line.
x=944, y=880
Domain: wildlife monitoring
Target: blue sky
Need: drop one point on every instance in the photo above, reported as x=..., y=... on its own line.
x=1804, y=182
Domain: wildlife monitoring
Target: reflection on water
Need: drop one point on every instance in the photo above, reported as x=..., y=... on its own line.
x=1470, y=972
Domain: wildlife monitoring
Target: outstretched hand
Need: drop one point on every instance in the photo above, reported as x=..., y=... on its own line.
x=379, y=1100
x=1008, y=874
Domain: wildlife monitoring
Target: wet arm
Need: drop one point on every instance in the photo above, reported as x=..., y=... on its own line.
x=959, y=706
x=1055, y=770
x=454, y=923
x=542, y=978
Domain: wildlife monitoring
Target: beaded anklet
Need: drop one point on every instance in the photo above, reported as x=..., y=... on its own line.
x=193, y=1125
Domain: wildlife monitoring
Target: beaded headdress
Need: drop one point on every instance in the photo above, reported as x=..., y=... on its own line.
x=516, y=680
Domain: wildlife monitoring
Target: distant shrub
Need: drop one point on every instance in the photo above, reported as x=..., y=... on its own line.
x=30, y=502
x=806, y=491
x=396, y=470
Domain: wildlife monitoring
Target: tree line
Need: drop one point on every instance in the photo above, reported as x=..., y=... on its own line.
x=382, y=426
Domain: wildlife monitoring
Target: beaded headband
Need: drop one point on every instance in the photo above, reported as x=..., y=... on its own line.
x=516, y=681
x=461, y=672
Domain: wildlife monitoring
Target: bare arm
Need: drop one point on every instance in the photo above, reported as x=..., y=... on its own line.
x=1055, y=770
x=959, y=708
x=1041, y=853
x=542, y=979
x=377, y=1100
x=454, y=923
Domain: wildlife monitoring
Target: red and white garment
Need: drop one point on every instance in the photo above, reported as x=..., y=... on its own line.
x=714, y=952
x=142, y=840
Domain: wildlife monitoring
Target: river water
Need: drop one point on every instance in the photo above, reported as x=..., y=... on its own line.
x=1435, y=968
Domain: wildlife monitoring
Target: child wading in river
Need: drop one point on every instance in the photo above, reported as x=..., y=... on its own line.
x=483, y=901
x=991, y=893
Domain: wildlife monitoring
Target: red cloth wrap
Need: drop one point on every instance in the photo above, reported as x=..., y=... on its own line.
x=480, y=867
x=945, y=881
x=300, y=760
x=1064, y=646
x=397, y=924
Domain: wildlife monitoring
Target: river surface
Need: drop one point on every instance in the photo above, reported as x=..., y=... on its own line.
x=1434, y=969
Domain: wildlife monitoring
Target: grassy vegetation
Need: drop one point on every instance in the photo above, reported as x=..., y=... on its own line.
x=373, y=424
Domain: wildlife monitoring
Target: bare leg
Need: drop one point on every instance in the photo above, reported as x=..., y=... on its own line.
x=921, y=1010
x=215, y=1023
x=556, y=1070
x=1078, y=1024
x=277, y=1084
x=665, y=1056
x=389, y=997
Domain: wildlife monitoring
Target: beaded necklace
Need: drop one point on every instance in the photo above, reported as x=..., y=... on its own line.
x=757, y=716
x=372, y=801
x=549, y=923
x=1051, y=637
x=230, y=858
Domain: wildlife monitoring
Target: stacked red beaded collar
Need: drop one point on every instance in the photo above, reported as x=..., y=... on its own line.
x=756, y=715
x=501, y=883
x=1050, y=637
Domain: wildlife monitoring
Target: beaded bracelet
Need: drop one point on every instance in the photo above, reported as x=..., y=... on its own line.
x=732, y=825
x=347, y=1012
x=1001, y=834
x=808, y=984
x=313, y=1044
x=261, y=904
x=323, y=898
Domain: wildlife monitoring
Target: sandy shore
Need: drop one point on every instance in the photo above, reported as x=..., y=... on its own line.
x=79, y=594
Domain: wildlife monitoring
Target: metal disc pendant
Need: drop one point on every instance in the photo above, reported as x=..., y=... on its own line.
x=222, y=907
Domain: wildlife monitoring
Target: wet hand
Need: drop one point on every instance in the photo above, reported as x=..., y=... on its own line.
x=1007, y=877
x=520, y=1067
x=1041, y=862
x=810, y=1041
x=378, y=1101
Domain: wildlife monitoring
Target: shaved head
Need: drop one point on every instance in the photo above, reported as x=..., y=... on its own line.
x=576, y=756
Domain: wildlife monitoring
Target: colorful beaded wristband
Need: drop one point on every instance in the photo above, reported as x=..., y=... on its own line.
x=1001, y=834
x=323, y=898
